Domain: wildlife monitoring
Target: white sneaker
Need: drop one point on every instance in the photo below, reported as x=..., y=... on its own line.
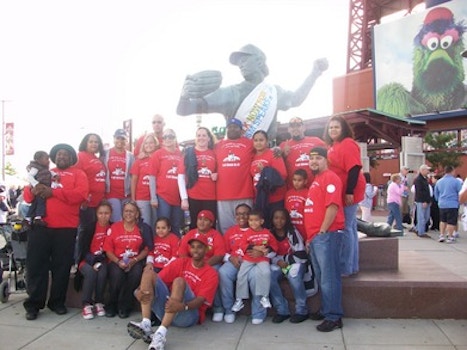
x=158, y=342
x=238, y=305
x=455, y=234
x=217, y=317
x=265, y=302
x=451, y=240
x=99, y=308
x=140, y=330
x=229, y=318
x=441, y=238
x=257, y=321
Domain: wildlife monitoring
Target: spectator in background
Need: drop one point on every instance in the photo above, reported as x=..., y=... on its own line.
x=140, y=181
x=434, y=208
x=118, y=183
x=345, y=160
x=447, y=194
x=423, y=199
x=395, y=191
x=295, y=150
x=164, y=170
x=50, y=248
x=197, y=176
x=405, y=209
x=158, y=125
x=367, y=203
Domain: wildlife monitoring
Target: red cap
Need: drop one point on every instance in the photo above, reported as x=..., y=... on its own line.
x=200, y=238
x=206, y=214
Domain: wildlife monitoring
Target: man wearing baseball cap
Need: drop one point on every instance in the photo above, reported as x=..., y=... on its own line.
x=51, y=247
x=254, y=102
x=175, y=299
x=324, y=223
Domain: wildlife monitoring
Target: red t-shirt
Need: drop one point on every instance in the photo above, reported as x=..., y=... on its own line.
x=343, y=156
x=204, y=188
x=139, y=144
x=233, y=168
x=122, y=243
x=97, y=242
x=165, y=248
x=215, y=242
x=295, y=203
x=267, y=159
x=116, y=166
x=94, y=169
x=263, y=237
x=69, y=191
x=283, y=246
x=165, y=168
x=141, y=168
x=233, y=240
x=325, y=190
x=298, y=156
x=203, y=281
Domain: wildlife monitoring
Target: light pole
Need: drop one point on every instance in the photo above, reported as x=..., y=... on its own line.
x=3, y=139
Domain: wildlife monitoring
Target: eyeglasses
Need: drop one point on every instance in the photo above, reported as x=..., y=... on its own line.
x=169, y=137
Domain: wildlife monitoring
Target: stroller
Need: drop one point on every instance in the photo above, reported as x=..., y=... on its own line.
x=13, y=245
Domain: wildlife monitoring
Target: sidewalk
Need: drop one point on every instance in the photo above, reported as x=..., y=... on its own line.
x=70, y=331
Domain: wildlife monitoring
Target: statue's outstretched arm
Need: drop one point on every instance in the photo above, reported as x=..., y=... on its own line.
x=299, y=95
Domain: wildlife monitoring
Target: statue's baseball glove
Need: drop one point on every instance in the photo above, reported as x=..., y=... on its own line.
x=202, y=83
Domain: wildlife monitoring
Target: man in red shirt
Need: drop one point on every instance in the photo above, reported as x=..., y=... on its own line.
x=158, y=125
x=183, y=290
x=234, y=184
x=295, y=150
x=324, y=222
x=51, y=247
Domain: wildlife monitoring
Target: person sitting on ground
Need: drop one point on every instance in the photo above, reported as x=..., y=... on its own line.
x=38, y=173
x=165, y=245
x=92, y=264
x=290, y=262
x=261, y=240
x=176, y=299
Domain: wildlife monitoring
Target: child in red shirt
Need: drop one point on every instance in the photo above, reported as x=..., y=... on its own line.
x=165, y=245
x=295, y=200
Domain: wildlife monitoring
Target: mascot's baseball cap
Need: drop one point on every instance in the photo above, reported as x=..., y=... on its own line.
x=319, y=151
x=235, y=121
x=206, y=214
x=251, y=50
x=200, y=238
x=66, y=147
x=121, y=133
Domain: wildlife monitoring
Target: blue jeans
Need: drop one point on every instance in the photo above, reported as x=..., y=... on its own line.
x=395, y=215
x=148, y=213
x=182, y=319
x=423, y=215
x=298, y=290
x=227, y=277
x=324, y=254
x=117, y=208
x=173, y=212
x=349, y=252
x=217, y=303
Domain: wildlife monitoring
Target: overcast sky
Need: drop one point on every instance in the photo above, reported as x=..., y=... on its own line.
x=71, y=67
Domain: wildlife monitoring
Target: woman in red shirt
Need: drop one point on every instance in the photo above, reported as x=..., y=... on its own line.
x=197, y=175
x=126, y=247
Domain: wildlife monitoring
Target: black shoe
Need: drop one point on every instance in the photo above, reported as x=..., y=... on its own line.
x=279, y=318
x=123, y=313
x=31, y=315
x=110, y=312
x=316, y=316
x=329, y=326
x=297, y=318
x=59, y=310
x=39, y=222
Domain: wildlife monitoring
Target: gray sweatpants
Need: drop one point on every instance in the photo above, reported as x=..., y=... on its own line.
x=260, y=271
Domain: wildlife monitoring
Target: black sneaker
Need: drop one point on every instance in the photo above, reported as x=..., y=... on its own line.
x=316, y=316
x=297, y=318
x=279, y=318
x=31, y=315
x=110, y=312
x=58, y=309
x=329, y=326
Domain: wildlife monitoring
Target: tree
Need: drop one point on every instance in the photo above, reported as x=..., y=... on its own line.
x=442, y=149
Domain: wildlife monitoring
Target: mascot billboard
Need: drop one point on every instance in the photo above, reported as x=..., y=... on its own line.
x=418, y=64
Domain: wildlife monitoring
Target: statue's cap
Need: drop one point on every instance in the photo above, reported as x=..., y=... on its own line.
x=246, y=50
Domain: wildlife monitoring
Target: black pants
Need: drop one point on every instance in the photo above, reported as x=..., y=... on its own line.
x=122, y=285
x=49, y=249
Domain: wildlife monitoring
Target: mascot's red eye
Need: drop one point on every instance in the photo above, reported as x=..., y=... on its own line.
x=432, y=43
x=446, y=41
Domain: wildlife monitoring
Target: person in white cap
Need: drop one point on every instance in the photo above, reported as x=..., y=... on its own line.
x=254, y=102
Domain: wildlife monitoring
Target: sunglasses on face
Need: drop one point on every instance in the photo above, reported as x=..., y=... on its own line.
x=169, y=137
